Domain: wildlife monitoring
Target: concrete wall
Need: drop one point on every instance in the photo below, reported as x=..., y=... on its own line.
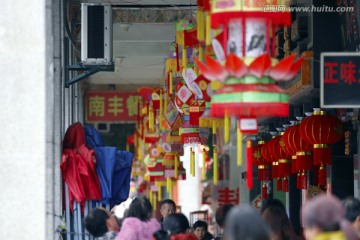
x=23, y=120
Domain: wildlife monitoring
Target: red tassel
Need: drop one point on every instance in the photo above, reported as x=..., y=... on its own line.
x=322, y=156
x=249, y=174
x=264, y=194
x=274, y=171
x=293, y=165
x=279, y=184
x=303, y=161
x=286, y=185
x=194, y=118
x=322, y=176
x=303, y=181
x=267, y=173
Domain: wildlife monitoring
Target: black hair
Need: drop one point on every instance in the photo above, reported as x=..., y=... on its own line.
x=95, y=222
x=352, y=208
x=200, y=224
x=140, y=208
x=168, y=201
x=161, y=235
x=221, y=214
x=271, y=202
x=245, y=222
x=176, y=223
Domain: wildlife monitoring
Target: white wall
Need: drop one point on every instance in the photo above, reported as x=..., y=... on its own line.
x=22, y=120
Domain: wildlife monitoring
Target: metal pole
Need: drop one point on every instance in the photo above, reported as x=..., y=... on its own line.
x=67, y=213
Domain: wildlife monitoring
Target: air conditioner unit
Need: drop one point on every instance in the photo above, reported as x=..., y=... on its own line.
x=96, y=34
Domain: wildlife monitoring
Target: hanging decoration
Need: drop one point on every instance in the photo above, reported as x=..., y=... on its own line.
x=264, y=173
x=321, y=130
x=303, y=151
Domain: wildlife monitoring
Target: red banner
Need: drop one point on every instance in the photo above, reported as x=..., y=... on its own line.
x=111, y=106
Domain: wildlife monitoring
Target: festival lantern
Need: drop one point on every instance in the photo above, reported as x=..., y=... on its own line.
x=321, y=130
x=263, y=168
x=284, y=163
x=303, y=150
x=250, y=89
x=268, y=153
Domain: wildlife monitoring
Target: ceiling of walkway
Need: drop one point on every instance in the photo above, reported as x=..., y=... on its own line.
x=143, y=31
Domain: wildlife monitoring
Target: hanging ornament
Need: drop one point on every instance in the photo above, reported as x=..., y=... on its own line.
x=321, y=130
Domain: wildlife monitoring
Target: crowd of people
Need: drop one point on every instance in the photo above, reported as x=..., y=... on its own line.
x=324, y=217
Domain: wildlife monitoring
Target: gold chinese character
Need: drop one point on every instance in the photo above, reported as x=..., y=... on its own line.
x=96, y=106
x=132, y=105
x=115, y=105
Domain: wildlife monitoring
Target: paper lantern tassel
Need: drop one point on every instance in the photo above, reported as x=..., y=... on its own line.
x=249, y=160
x=264, y=194
x=322, y=175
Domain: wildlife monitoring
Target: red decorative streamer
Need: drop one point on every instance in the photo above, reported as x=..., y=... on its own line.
x=249, y=173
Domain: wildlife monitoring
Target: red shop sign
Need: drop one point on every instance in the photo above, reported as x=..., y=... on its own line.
x=111, y=106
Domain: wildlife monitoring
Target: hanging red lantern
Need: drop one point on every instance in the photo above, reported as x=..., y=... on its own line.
x=321, y=130
x=267, y=153
x=264, y=173
x=303, y=149
x=284, y=162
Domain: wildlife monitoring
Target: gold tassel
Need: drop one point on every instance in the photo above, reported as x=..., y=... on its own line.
x=215, y=157
x=170, y=84
x=203, y=170
x=202, y=27
x=151, y=118
x=159, y=192
x=191, y=162
x=213, y=127
x=165, y=102
x=168, y=184
x=176, y=165
x=171, y=190
x=226, y=128
x=208, y=30
x=200, y=16
x=239, y=146
x=201, y=53
x=161, y=109
x=184, y=58
x=127, y=148
x=155, y=201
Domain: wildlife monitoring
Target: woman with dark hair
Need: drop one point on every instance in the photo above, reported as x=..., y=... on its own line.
x=174, y=228
x=245, y=223
x=220, y=217
x=279, y=223
x=138, y=224
x=323, y=219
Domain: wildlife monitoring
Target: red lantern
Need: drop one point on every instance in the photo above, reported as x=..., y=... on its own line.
x=263, y=167
x=303, y=154
x=284, y=162
x=267, y=153
x=321, y=130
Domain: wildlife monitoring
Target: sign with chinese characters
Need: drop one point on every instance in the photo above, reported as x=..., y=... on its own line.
x=340, y=80
x=111, y=106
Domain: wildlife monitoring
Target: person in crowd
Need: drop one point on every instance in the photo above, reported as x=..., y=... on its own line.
x=352, y=212
x=323, y=219
x=200, y=229
x=175, y=227
x=138, y=223
x=271, y=202
x=101, y=224
x=167, y=207
x=244, y=222
x=279, y=223
x=220, y=217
